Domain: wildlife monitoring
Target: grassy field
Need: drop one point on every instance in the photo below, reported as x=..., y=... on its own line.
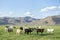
x=33, y=36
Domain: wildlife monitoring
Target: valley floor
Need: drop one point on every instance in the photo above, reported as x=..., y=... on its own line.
x=33, y=36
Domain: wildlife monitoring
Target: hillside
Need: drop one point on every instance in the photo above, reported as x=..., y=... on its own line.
x=50, y=20
x=16, y=20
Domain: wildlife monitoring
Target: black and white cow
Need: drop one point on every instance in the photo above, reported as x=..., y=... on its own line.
x=9, y=29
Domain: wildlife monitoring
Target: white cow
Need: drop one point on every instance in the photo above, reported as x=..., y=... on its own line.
x=11, y=27
x=50, y=30
x=39, y=27
x=18, y=31
x=6, y=29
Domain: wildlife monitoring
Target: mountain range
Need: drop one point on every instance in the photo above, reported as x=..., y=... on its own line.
x=50, y=20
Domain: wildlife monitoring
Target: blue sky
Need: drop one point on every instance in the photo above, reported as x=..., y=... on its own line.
x=33, y=8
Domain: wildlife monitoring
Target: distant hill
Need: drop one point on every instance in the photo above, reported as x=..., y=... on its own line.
x=50, y=20
x=16, y=20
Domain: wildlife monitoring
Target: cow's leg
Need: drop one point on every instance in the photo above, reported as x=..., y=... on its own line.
x=37, y=32
x=30, y=32
x=27, y=32
x=41, y=31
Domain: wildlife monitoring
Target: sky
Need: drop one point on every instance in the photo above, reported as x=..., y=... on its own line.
x=33, y=8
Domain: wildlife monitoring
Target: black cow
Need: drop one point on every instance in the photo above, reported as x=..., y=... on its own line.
x=39, y=30
x=28, y=30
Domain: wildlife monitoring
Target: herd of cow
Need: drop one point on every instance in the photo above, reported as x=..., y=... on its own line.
x=27, y=30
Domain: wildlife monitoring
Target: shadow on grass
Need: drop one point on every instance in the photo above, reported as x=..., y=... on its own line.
x=43, y=34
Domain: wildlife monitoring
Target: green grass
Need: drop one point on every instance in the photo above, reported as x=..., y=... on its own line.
x=33, y=36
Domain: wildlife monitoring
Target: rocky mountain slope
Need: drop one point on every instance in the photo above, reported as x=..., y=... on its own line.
x=50, y=20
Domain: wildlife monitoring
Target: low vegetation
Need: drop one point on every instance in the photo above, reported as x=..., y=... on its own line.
x=33, y=36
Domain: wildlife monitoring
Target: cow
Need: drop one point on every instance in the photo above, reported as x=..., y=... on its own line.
x=39, y=29
x=21, y=28
x=18, y=31
x=14, y=27
x=50, y=30
x=8, y=29
x=28, y=30
x=7, y=26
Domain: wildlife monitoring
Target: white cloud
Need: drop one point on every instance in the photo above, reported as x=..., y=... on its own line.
x=29, y=14
x=10, y=13
x=51, y=8
x=3, y=14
